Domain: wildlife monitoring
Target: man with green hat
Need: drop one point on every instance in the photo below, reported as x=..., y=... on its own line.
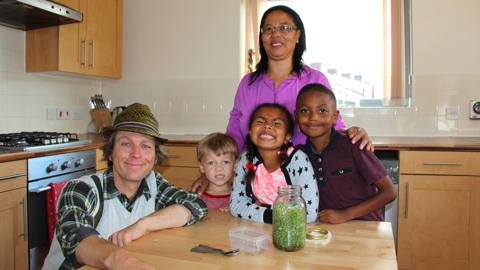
x=101, y=213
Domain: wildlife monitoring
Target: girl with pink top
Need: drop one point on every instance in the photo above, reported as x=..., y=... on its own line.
x=271, y=162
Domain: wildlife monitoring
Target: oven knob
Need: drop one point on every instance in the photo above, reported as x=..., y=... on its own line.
x=52, y=167
x=65, y=165
x=79, y=162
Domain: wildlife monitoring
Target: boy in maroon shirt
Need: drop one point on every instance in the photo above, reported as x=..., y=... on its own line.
x=353, y=184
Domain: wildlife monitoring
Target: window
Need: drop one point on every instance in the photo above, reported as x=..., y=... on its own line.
x=362, y=46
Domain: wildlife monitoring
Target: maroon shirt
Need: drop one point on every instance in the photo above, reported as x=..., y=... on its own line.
x=346, y=175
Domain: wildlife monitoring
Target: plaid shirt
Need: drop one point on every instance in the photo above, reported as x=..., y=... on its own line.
x=77, y=203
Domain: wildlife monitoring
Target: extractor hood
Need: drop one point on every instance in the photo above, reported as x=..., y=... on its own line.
x=32, y=14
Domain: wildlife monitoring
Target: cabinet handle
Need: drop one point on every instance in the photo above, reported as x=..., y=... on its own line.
x=443, y=163
x=92, y=55
x=174, y=157
x=84, y=53
x=406, y=199
x=12, y=176
x=25, y=231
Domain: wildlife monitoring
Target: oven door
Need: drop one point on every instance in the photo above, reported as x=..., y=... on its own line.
x=38, y=242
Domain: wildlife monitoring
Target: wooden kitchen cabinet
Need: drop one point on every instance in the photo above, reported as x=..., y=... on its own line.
x=439, y=210
x=100, y=163
x=92, y=47
x=13, y=228
x=181, y=168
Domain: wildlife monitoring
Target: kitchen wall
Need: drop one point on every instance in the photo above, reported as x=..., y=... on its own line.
x=25, y=97
x=182, y=58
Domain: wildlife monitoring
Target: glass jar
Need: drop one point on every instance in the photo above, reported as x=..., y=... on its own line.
x=289, y=219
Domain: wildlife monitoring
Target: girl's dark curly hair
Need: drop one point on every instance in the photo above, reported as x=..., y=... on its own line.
x=252, y=148
x=300, y=47
x=160, y=154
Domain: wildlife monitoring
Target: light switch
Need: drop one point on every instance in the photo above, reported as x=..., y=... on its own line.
x=451, y=113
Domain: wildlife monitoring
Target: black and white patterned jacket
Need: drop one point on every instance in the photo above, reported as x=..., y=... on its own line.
x=297, y=170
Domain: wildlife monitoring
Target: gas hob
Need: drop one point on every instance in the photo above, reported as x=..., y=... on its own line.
x=38, y=141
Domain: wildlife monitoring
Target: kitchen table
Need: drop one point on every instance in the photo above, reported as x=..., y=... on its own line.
x=355, y=245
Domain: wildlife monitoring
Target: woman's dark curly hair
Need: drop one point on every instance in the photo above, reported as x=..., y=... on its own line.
x=252, y=148
x=300, y=47
x=160, y=154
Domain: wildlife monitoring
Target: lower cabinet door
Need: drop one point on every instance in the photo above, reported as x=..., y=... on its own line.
x=13, y=244
x=438, y=222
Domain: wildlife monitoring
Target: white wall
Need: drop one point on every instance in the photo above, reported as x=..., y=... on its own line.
x=25, y=97
x=446, y=73
x=182, y=58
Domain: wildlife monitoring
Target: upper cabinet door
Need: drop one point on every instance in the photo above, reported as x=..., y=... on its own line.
x=92, y=47
x=70, y=49
x=103, y=26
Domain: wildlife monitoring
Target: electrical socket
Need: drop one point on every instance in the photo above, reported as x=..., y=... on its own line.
x=474, y=109
x=51, y=113
x=63, y=114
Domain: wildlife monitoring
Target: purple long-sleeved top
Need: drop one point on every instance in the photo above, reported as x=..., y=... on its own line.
x=263, y=91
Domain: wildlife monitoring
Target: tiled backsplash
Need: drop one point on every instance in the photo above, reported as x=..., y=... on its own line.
x=432, y=95
x=194, y=106
x=201, y=104
x=25, y=97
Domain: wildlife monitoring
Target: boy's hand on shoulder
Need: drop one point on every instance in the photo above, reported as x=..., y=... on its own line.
x=359, y=134
x=200, y=185
x=333, y=216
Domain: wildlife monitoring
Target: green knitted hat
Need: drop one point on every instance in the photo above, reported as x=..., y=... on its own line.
x=135, y=118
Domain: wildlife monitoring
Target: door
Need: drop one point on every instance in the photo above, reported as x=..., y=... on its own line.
x=71, y=45
x=438, y=222
x=14, y=245
x=103, y=36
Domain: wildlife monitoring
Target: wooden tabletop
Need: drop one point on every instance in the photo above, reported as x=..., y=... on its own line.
x=355, y=245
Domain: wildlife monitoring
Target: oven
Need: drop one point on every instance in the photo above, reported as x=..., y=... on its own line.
x=41, y=172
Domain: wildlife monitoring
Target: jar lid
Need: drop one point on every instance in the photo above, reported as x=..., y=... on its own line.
x=319, y=235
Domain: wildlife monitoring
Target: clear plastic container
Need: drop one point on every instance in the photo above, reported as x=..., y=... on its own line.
x=248, y=239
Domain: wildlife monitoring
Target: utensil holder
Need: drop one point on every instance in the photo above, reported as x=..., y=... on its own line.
x=102, y=118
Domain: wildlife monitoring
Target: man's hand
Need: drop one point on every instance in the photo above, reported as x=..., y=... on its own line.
x=200, y=185
x=121, y=259
x=128, y=234
x=333, y=216
x=358, y=133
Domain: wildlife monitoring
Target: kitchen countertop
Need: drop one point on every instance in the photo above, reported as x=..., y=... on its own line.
x=354, y=245
x=380, y=143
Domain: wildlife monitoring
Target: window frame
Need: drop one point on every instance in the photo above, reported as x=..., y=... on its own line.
x=397, y=76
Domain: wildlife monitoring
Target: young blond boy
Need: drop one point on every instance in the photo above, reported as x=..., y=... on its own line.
x=217, y=157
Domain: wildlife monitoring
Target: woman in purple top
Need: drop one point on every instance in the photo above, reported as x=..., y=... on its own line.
x=279, y=76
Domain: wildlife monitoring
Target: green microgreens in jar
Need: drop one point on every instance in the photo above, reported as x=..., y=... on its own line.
x=289, y=226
